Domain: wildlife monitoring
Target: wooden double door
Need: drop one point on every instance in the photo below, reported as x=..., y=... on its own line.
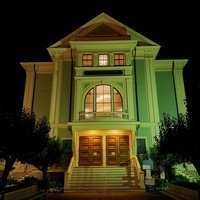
x=92, y=149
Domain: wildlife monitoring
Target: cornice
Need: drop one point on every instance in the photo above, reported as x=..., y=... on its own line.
x=169, y=65
x=38, y=67
x=124, y=45
x=60, y=54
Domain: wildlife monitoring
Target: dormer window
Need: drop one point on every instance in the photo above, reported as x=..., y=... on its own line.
x=87, y=60
x=103, y=59
x=119, y=59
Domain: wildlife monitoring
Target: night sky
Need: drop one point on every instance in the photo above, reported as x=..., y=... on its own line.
x=28, y=28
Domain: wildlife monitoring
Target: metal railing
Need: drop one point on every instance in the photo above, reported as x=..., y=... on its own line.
x=100, y=115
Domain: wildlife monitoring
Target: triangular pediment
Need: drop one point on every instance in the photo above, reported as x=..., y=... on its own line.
x=101, y=28
x=104, y=28
x=103, y=31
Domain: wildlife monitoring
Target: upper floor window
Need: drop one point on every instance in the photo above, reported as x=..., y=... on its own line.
x=119, y=59
x=87, y=60
x=103, y=100
x=103, y=59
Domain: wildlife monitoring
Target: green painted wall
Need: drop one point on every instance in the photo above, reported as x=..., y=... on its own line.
x=145, y=132
x=64, y=133
x=42, y=95
x=166, y=94
x=65, y=93
x=142, y=92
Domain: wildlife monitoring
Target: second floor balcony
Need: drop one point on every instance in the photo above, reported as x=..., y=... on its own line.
x=98, y=116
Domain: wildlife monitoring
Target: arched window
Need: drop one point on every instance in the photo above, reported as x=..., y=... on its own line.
x=103, y=101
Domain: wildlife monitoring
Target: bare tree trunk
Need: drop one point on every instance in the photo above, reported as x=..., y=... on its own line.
x=169, y=172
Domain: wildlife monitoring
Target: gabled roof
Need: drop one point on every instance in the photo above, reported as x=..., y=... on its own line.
x=103, y=27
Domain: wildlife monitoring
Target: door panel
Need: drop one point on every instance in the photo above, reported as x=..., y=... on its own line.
x=90, y=151
x=111, y=150
x=123, y=150
x=84, y=151
x=117, y=150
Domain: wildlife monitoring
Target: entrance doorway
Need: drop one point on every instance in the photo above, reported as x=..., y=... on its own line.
x=90, y=151
x=117, y=150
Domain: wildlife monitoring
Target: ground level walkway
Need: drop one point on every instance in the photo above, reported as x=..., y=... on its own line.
x=137, y=195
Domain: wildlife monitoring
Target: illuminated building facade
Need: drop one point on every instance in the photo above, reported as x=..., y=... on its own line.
x=104, y=92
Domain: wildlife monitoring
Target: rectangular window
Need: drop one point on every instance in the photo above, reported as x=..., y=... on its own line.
x=141, y=146
x=103, y=60
x=119, y=59
x=87, y=60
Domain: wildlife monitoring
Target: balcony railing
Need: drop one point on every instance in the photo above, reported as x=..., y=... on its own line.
x=101, y=115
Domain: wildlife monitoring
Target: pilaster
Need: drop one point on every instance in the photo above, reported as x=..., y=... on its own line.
x=180, y=90
x=29, y=87
x=53, y=98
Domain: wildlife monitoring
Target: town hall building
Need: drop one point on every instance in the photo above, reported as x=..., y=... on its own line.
x=104, y=94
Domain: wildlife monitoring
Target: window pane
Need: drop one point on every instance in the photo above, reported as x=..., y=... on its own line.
x=103, y=98
x=118, y=107
x=103, y=60
x=107, y=98
x=107, y=89
x=99, y=89
x=99, y=98
x=89, y=101
x=88, y=108
x=99, y=107
x=117, y=101
x=87, y=59
x=117, y=98
x=106, y=107
x=119, y=59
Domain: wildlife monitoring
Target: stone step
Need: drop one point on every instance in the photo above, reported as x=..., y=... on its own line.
x=107, y=178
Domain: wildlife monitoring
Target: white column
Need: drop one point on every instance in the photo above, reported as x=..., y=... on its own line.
x=53, y=98
x=151, y=91
x=152, y=96
x=130, y=100
x=58, y=92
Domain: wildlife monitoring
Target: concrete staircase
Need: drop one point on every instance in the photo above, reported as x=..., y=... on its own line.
x=104, y=179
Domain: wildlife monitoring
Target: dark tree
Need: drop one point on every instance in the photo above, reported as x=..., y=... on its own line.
x=169, y=147
x=177, y=142
x=50, y=155
x=192, y=83
x=22, y=136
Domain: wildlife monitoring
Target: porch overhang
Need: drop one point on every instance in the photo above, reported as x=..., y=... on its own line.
x=102, y=125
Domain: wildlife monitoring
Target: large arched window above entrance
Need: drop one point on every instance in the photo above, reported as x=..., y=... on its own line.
x=103, y=101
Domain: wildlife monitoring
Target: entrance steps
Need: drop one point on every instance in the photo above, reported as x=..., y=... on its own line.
x=104, y=179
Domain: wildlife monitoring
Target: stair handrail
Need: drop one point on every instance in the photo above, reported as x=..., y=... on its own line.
x=68, y=173
x=71, y=165
x=140, y=173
